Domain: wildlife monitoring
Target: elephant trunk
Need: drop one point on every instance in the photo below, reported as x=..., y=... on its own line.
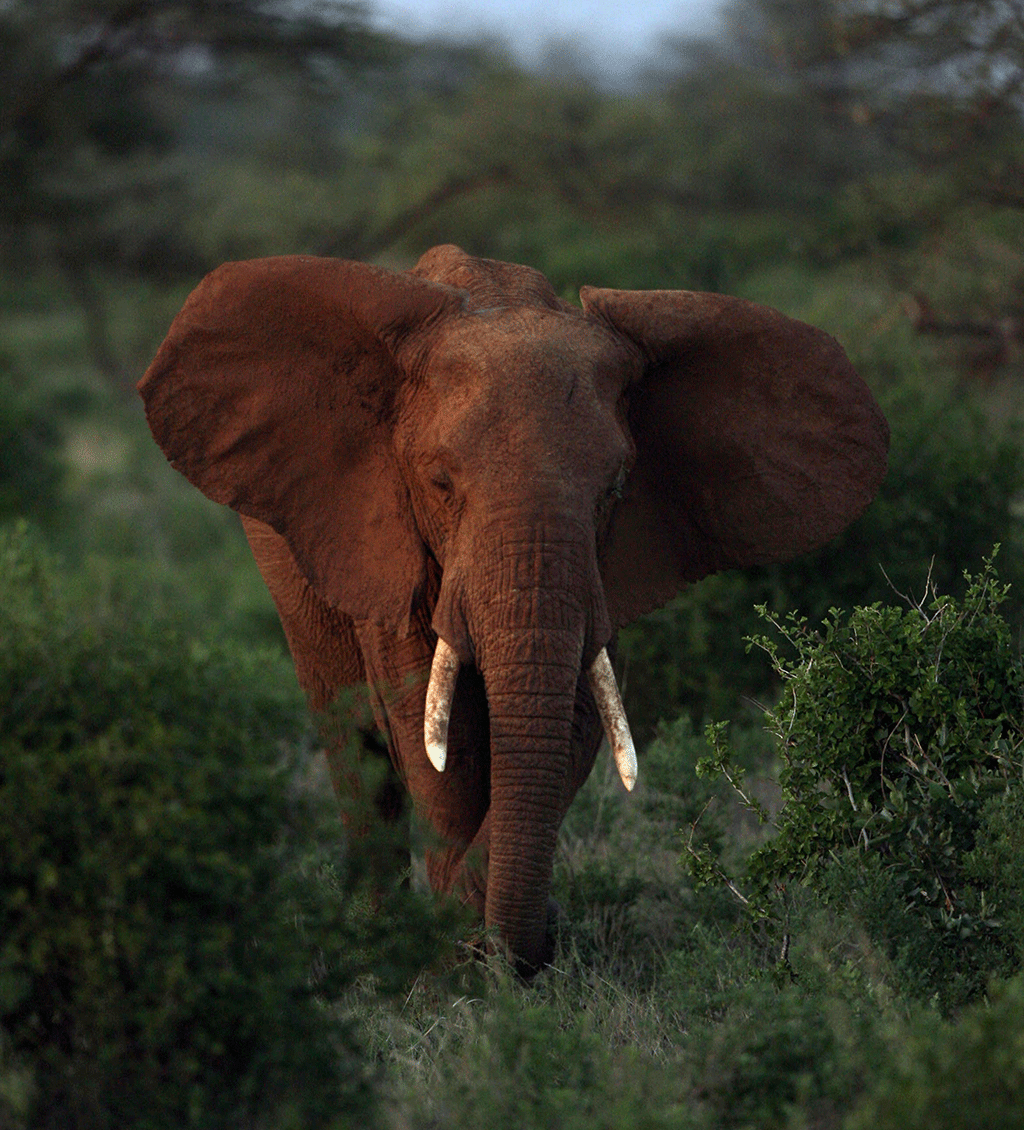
x=534, y=610
x=444, y=673
x=531, y=698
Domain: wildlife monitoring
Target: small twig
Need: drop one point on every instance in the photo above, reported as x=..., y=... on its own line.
x=739, y=894
x=888, y=580
x=885, y=747
x=753, y=805
x=717, y=870
x=849, y=790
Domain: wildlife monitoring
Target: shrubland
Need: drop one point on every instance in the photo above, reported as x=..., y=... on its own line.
x=807, y=915
x=180, y=915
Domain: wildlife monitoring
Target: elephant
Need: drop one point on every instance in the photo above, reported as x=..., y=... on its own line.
x=457, y=485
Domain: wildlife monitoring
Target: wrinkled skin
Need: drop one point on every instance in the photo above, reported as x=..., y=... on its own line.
x=456, y=452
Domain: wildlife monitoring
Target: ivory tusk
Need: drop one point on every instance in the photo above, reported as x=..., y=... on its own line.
x=444, y=671
x=613, y=717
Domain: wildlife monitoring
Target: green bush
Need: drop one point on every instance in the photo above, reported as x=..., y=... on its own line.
x=176, y=916
x=900, y=733
x=775, y=1053
x=953, y=1077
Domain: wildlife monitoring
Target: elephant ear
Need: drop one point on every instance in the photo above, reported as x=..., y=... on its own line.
x=756, y=441
x=274, y=393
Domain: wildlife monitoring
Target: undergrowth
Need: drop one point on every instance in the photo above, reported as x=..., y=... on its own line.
x=167, y=964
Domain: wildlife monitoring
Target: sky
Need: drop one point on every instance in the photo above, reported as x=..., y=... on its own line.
x=618, y=33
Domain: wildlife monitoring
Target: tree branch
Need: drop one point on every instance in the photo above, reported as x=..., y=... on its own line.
x=349, y=243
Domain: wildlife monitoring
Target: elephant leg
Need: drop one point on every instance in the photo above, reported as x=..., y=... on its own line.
x=460, y=869
x=451, y=806
x=328, y=665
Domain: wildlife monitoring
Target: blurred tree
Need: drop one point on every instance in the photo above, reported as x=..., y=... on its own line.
x=946, y=78
x=530, y=151
x=944, y=81
x=925, y=99
x=584, y=184
x=31, y=466
x=89, y=176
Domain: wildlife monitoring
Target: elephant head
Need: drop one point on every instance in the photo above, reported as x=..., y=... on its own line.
x=457, y=486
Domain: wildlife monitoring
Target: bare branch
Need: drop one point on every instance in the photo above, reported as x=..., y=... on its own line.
x=351, y=243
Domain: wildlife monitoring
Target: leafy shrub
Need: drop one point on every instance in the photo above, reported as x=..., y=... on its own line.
x=900, y=735
x=945, y=1077
x=710, y=970
x=774, y=1053
x=175, y=916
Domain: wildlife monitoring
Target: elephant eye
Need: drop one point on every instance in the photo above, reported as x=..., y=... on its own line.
x=612, y=492
x=442, y=480
x=615, y=490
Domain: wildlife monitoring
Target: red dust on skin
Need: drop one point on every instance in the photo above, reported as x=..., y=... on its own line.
x=455, y=453
x=518, y=408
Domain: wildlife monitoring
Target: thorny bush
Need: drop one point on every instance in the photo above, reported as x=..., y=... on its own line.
x=900, y=737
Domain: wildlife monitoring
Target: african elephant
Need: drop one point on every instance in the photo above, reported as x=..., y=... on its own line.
x=458, y=485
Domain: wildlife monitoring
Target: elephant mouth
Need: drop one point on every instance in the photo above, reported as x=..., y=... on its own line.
x=444, y=672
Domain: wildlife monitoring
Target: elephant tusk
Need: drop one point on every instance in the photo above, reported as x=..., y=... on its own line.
x=613, y=717
x=444, y=671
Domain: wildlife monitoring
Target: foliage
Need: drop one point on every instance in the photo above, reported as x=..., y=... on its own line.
x=900, y=735
x=777, y=1052
x=892, y=710
x=945, y=1077
x=520, y=1064
x=714, y=1042
x=177, y=916
x=31, y=468
x=86, y=92
x=939, y=80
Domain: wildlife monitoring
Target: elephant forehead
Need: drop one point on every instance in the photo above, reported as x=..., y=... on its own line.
x=524, y=443
x=529, y=389
x=505, y=349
